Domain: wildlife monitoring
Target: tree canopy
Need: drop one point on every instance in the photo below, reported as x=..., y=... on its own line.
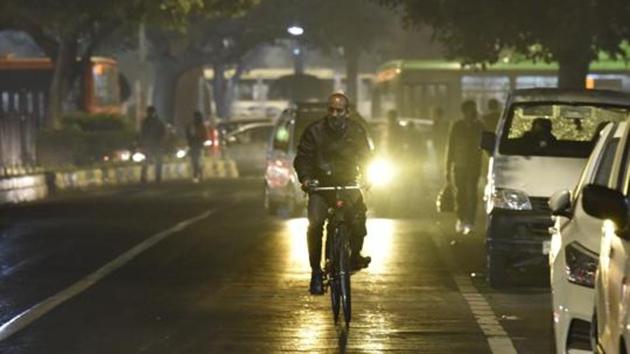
x=569, y=32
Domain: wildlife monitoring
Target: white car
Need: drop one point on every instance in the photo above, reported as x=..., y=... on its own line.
x=611, y=319
x=541, y=144
x=575, y=248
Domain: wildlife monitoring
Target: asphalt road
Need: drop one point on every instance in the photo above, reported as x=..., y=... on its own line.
x=199, y=268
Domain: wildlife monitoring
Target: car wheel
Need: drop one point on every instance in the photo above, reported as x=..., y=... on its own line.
x=496, y=270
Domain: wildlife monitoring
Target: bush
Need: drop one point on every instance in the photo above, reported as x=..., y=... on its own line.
x=95, y=122
x=83, y=140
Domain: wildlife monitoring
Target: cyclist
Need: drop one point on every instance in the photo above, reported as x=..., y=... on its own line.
x=332, y=151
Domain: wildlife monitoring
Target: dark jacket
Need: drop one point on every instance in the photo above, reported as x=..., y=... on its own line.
x=463, y=146
x=321, y=150
x=196, y=135
x=152, y=133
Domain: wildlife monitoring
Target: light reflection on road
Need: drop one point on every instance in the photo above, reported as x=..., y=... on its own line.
x=314, y=326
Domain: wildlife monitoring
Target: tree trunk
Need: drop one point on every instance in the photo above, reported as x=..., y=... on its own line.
x=187, y=97
x=573, y=68
x=351, y=54
x=165, y=84
x=219, y=91
x=64, y=64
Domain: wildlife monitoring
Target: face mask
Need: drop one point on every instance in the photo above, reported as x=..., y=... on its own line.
x=337, y=122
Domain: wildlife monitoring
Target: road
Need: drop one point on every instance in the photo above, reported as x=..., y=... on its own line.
x=199, y=268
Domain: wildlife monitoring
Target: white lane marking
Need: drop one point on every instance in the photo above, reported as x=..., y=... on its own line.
x=29, y=316
x=498, y=339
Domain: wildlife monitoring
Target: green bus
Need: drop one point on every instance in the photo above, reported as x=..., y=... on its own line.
x=415, y=87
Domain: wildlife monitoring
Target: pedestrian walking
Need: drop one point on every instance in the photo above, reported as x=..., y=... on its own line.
x=152, y=135
x=196, y=135
x=463, y=165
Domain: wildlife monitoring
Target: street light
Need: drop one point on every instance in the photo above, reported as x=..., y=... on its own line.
x=298, y=54
x=295, y=31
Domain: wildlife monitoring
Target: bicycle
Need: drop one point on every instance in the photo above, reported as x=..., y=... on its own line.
x=337, y=268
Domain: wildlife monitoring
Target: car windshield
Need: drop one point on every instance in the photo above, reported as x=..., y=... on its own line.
x=557, y=129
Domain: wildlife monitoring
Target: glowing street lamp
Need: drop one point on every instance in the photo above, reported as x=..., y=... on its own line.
x=295, y=31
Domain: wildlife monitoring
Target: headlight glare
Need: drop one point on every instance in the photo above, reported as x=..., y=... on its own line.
x=380, y=172
x=581, y=264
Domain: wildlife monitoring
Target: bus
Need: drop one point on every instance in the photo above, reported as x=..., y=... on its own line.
x=25, y=82
x=261, y=92
x=415, y=87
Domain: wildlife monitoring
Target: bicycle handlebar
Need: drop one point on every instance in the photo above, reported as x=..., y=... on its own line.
x=335, y=188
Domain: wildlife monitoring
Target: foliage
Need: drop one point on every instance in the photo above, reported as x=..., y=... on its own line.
x=95, y=122
x=569, y=32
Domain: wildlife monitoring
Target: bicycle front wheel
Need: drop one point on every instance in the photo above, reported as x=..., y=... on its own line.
x=344, y=279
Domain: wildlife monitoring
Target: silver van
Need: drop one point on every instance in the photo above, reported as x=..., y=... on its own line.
x=541, y=145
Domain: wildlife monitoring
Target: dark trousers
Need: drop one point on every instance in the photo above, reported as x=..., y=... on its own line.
x=152, y=156
x=318, y=205
x=195, y=160
x=466, y=182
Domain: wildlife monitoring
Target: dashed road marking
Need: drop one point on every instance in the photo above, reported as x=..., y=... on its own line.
x=29, y=316
x=498, y=339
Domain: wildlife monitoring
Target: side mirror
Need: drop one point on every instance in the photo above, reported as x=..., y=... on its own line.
x=605, y=203
x=488, y=141
x=560, y=204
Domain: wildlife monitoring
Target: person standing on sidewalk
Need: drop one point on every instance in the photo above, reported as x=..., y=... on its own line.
x=152, y=135
x=196, y=135
x=463, y=164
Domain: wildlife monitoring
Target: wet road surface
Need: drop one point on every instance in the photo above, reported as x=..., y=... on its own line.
x=234, y=280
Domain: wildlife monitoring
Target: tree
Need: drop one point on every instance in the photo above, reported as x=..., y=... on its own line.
x=71, y=29
x=220, y=42
x=570, y=32
x=353, y=26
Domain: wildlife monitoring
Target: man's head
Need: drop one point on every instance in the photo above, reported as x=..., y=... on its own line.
x=493, y=105
x=338, y=111
x=469, y=109
x=151, y=111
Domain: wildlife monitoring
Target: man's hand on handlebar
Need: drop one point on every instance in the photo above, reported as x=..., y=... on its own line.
x=309, y=184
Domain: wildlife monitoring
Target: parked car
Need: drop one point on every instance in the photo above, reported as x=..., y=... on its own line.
x=611, y=315
x=247, y=147
x=575, y=248
x=543, y=140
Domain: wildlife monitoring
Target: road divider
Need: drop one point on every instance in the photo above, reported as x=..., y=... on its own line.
x=30, y=188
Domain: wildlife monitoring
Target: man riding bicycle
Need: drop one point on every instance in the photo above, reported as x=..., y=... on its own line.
x=332, y=151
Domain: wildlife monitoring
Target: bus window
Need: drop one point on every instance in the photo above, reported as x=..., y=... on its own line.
x=105, y=85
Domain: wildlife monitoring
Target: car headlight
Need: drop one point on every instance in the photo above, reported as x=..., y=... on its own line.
x=181, y=153
x=138, y=157
x=511, y=199
x=380, y=172
x=581, y=264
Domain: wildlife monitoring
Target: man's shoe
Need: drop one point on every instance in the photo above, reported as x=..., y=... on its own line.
x=360, y=262
x=317, y=283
